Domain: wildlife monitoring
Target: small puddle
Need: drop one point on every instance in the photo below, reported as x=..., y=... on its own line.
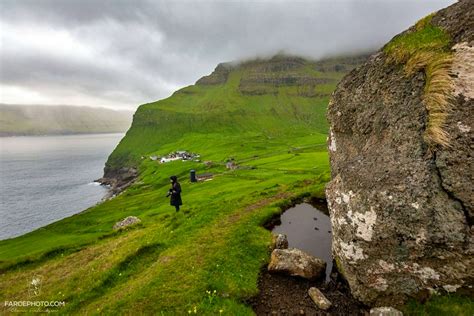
x=308, y=228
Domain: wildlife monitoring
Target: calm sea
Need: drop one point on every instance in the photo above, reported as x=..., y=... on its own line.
x=46, y=178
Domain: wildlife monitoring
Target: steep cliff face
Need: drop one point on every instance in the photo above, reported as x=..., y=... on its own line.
x=402, y=162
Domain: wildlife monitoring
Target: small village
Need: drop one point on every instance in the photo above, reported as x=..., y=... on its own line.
x=177, y=155
x=184, y=155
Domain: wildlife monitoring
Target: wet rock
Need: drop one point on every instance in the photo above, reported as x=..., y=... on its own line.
x=280, y=241
x=400, y=204
x=319, y=299
x=385, y=311
x=295, y=262
x=126, y=222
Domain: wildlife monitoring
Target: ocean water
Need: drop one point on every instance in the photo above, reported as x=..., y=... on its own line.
x=46, y=178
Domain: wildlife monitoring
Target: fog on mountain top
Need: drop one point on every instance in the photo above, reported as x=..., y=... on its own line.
x=124, y=53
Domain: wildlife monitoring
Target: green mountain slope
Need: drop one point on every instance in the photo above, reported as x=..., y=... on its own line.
x=57, y=120
x=277, y=99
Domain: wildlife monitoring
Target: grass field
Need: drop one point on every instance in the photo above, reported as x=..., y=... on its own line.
x=206, y=258
x=169, y=262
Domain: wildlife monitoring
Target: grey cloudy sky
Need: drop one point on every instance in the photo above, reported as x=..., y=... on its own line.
x=122, y=53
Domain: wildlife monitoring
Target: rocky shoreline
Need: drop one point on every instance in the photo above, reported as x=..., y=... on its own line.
x=117, y=180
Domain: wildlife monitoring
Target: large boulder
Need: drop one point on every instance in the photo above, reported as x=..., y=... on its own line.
x=296, y=262
x=402, y=161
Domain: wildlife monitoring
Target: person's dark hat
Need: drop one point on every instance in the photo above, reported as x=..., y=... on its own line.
x=174, y=178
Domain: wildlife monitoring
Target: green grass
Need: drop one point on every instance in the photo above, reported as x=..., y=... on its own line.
x=427, y=48
x=424, y=37
x=172, y=263
x=441, y=305
x=169, y=262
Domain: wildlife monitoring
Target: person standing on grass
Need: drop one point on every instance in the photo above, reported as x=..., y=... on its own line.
x=175, y=193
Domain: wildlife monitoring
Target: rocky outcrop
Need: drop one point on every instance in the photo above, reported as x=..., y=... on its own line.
x=266, y=77
x=295, y=262
x=340, y=64
x=401, y=203
x=218, y=76
x=118, y=180
x=283, y=80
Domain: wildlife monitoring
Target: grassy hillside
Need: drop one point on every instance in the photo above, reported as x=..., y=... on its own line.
x=269, y=115
x=279, y=99
x=57, y=120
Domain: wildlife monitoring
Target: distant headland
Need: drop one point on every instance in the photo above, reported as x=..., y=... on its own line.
x=28, y=120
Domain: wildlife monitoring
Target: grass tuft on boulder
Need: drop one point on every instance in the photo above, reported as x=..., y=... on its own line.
x=426, y=48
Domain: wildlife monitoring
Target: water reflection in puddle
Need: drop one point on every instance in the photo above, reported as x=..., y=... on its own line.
x=308, y=229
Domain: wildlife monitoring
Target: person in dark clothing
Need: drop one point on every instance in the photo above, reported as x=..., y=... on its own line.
x=175, y=193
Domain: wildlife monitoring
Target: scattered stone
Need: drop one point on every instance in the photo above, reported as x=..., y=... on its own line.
x=279, y=241
x=126, y=222
x=231, y=165
x=451, y=288
x=319, y=299
x=204, y=176
x=385, y=311
x=295, y=262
